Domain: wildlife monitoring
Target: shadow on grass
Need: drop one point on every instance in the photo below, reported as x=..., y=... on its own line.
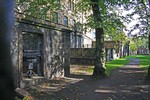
x=80, y=76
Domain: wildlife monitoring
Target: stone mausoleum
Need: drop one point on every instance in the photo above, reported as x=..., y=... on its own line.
x=43, y=43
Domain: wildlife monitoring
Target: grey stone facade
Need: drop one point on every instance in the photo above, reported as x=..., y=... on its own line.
x=48, y=47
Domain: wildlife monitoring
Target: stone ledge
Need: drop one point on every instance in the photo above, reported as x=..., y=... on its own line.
x=33, y=81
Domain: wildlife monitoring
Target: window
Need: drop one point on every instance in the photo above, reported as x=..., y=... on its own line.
x=55, y=17
x=42, y=13
x=59, y=18
x=65, y=20
x=73, y=6
x=72, y=39
x=80, y=41
x=69, y=5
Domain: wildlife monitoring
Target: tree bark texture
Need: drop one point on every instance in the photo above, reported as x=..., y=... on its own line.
x=6, y=72
x=148, y=28
x=99, y=69
x=66, y=37
x=149, y=32
x=149, y=42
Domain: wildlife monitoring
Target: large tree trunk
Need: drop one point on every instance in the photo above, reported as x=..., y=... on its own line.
x=99, y=69
x=6, y=76
x=149, y=30
x=149, y=43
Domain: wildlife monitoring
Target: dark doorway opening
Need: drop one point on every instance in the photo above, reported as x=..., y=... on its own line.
x=33, y=52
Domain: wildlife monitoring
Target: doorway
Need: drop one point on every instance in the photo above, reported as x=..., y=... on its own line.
x=33, y=52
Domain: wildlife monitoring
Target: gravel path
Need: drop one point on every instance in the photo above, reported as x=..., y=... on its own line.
x=126, y=83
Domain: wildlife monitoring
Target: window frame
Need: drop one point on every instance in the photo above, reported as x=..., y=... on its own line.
x=65, y=20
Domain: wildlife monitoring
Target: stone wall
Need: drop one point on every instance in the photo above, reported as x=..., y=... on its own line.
x=85, y=56
x=16, y=49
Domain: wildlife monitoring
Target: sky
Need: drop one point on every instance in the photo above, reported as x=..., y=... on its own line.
x=128, y=26
x=131, y=24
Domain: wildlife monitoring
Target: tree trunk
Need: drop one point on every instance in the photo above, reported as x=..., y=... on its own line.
x=149, y=30
x=149, y=43
x=99, y=69
x=6, y=72
x=148, y=14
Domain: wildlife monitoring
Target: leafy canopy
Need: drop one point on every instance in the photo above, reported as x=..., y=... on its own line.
x=37, y=8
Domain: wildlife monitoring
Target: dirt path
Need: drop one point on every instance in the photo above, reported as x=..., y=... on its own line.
x=126, y=83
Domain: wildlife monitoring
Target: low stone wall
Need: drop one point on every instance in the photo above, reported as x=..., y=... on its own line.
x=85, y=56
x=82, y=52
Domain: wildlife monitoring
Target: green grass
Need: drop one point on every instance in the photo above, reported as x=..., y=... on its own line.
x=111, y=65
x=144, y=60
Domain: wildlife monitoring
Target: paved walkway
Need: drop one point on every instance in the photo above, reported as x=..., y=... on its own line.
x=126, y=83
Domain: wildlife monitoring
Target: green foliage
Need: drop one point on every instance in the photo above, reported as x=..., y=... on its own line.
x=37, y=8
x=107, y=14
x=112, y=22
x=140, y=8
x=133, y=46
x=144, y=60
x=140, y=41
x=136, y=42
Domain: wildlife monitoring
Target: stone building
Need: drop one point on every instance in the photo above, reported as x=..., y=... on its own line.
x=45, y=42
x=47, y=48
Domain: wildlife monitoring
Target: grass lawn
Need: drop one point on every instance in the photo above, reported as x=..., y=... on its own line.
x=144, y=60
x=111, y=65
